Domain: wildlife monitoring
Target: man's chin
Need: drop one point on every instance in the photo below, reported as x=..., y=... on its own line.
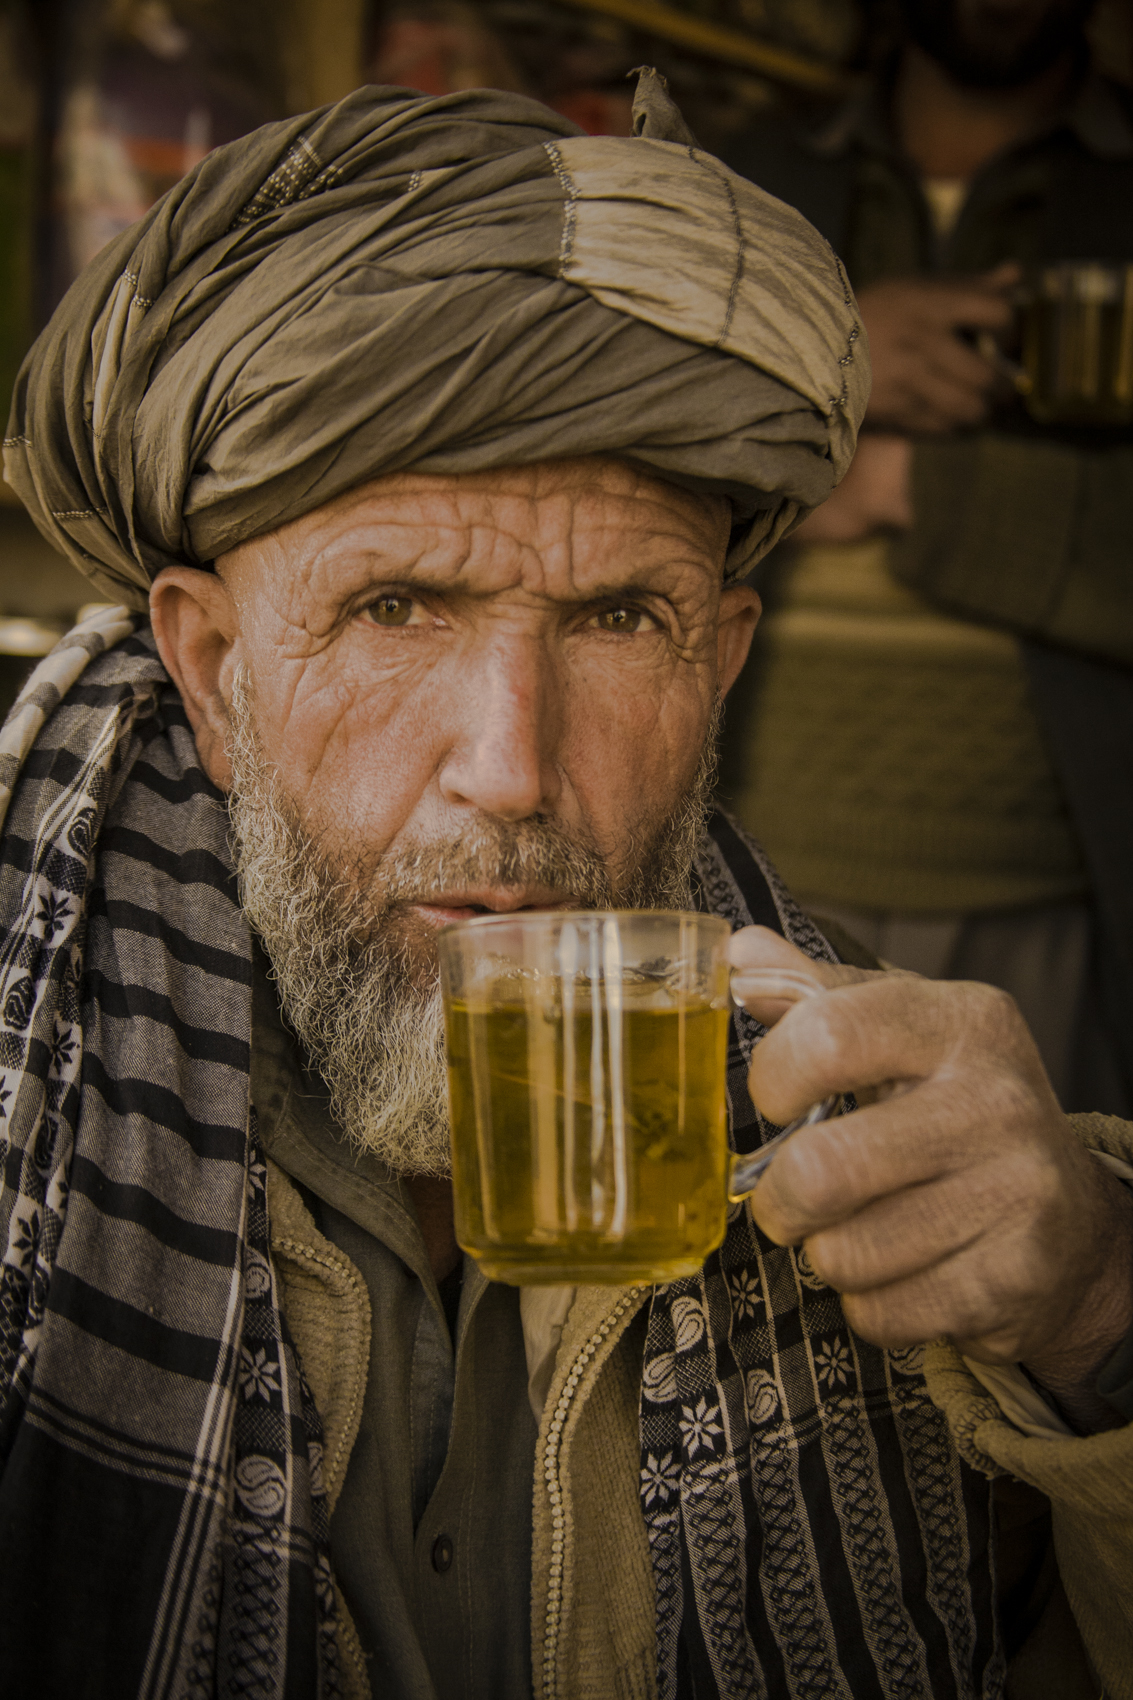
x=409, y=936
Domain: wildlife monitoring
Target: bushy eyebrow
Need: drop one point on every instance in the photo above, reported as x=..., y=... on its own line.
x=379, y=574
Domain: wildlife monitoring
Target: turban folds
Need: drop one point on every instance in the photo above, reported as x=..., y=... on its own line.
x=443, y=285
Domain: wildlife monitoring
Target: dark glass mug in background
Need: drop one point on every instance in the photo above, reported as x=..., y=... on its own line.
x=1075, y=341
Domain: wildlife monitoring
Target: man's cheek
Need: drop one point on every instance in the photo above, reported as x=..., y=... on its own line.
x=630, y=761
x=301, y=708
x=362, y=767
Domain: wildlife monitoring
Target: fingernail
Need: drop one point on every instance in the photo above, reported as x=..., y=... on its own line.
x=771, y=983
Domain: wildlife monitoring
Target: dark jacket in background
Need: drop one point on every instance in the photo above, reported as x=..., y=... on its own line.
x=1021, y=526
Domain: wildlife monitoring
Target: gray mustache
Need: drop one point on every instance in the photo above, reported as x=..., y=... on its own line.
x=494, y=853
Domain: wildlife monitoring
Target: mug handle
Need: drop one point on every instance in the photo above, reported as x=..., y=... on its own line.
x=1008, y=368
x=787, y=983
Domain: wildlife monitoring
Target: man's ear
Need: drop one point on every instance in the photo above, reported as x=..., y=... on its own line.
x=740, y=609
x=195, y=625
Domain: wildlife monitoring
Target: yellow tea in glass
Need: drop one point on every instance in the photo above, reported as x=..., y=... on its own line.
x=586, y=1059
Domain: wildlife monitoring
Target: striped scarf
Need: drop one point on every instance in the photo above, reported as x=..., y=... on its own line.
x=165, y=1526
x=165, y=1523
x=813, y=1531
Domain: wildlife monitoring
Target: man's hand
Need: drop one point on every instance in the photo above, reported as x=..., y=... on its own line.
x=956, y=1201
x=925, y=377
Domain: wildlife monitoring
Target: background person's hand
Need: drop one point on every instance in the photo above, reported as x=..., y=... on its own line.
x=875, y=495
x=926, y=377
x=956, y=1201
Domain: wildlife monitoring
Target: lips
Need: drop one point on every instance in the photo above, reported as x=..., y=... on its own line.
x=451, y=906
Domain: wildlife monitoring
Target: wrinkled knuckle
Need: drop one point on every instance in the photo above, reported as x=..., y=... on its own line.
x=773, y=1216
x=1010, y=1106
x=989, y=1020
x=815, y=1180
x=828, y=1040
x=993, y=1008
x=1004, y=1098
x=1005, y=1197
x=837, y=1261
x=854, y=1168
x=979, y=1297
x=778, y=1229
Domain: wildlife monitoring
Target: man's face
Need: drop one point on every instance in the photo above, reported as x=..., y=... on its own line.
x=447, y=695
x=427, y=656
x=996, y=43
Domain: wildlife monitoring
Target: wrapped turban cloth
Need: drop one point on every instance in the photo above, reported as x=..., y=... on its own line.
x=445, y=285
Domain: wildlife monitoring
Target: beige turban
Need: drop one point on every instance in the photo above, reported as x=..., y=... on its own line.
x=438, y=284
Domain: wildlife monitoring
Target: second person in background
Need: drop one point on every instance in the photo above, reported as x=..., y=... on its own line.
x=936, y=737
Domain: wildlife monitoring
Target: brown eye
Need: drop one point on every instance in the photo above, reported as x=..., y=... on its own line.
x=391, y=610
x=620, y=620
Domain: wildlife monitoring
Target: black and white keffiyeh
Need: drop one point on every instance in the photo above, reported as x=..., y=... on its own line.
x=813, y=1530
x=164, y=1525
x=164, y=1520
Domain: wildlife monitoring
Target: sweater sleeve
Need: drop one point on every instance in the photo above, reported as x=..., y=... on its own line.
x=1028, y=533
x=1087, y=1479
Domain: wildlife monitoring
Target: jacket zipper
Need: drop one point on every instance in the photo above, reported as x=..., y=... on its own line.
x=554, y=1486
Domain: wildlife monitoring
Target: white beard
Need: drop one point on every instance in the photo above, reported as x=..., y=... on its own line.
x=356, y=969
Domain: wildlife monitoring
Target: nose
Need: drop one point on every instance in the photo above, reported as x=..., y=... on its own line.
x=503, y=759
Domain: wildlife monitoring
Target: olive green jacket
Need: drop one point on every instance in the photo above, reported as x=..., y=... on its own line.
x=592, y=1606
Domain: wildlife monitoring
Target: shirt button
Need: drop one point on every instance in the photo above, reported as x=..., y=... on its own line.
x=442, y=1554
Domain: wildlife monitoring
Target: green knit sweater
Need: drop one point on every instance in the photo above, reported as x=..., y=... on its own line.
x=890, y=757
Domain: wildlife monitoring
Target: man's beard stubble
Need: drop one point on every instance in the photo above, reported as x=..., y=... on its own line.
x=356, y=968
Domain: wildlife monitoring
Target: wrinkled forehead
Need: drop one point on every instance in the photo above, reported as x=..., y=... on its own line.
x=598, y=516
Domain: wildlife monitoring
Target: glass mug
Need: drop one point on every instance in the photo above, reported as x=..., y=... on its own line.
x=587, y=1056
x=1075, y=324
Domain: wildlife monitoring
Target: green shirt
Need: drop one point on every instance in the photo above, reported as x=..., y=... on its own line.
x=431, y=1536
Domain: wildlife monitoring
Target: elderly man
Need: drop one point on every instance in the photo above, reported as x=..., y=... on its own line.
x=437, y=439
